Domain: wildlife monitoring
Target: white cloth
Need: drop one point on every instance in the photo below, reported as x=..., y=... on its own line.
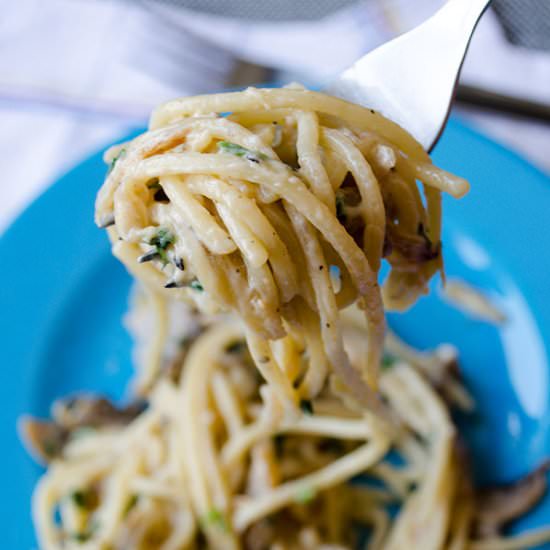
x=76, y=74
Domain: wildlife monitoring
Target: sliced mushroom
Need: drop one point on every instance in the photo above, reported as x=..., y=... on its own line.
x=413, y=248
x=93, y=412
x=497, y=506
x=44, y=439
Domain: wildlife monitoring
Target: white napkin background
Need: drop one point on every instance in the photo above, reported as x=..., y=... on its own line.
x=77, y=74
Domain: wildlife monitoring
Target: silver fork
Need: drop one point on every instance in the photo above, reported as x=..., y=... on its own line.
x=411, y=79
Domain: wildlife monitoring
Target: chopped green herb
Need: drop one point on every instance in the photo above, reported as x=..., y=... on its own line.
x=306, y=406
x=84, y=498
x=236, y=347
x=215, y=518
x=83, y=431
x=388, y=360
x=305, y=495
x=195, y=285
x=161, y=241
x=79, y=498
x=130, y=504
x=153, y=184
x=82, y=536
x=239, y=151
x=116, y=158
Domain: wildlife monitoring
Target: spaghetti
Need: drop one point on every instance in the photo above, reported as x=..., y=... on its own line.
x=215, y=461
x=279, y=204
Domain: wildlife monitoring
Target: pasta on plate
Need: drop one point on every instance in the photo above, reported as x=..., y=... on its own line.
x=213, y=460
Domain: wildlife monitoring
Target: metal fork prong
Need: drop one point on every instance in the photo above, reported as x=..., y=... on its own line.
x=412, y=79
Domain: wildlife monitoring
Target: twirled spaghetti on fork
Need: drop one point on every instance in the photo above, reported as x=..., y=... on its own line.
x=279, y=204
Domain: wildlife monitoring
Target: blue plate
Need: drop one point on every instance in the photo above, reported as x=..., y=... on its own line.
x=62, y=298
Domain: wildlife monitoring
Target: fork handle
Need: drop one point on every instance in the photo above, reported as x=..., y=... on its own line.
x=494, y=101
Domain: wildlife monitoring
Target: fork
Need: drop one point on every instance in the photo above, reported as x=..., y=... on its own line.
x=412, y=79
